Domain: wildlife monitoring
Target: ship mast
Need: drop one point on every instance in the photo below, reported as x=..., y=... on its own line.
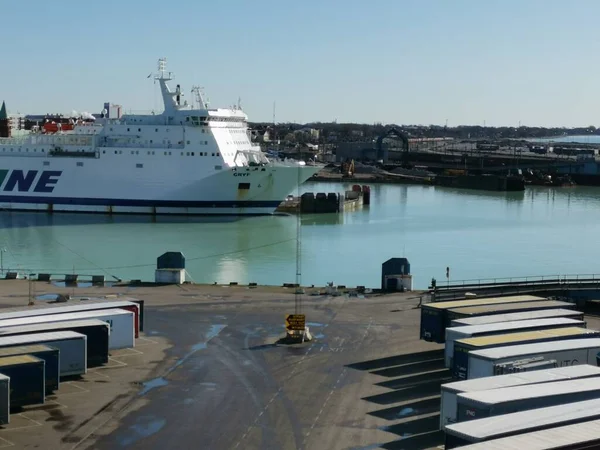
x=171, y=100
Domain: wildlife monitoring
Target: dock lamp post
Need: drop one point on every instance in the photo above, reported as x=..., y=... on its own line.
x=2, y=250
x=31, y=288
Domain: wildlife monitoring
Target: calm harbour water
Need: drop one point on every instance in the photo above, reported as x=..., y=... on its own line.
x=477, y=234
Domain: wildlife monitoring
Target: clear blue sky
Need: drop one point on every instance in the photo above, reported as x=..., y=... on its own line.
x=390, y=61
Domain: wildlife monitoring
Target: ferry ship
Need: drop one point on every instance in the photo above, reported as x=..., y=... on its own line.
x=190, y=160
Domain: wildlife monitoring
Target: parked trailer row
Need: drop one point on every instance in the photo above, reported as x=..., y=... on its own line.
x=51, y=357
x=449, y=391
x=96, y=331
x=72, y=347
x=532, y=397
x=513, y=317
x=579, y=436
x=488, y=310
x=546, y=418
x=465, y=332
x=571, y=352
x=496, y=402
x=434, y=316
x=121, y=322
x=134, y=307
x=38, y=346
x=464, y=347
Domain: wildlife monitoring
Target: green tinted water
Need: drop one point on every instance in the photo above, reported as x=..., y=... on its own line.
x=478, y=234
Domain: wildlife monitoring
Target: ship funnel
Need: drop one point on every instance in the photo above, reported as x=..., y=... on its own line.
x=4, y=122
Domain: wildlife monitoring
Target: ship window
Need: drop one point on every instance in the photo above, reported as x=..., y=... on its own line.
x=127, y=129
x=187, y=119
x=139, y=166
x=245, y=186
x=165, y=153
x=213, y=154
x=203, y=130
x=205, y=142
x=192, y=153
x=188, y=142
x=151, y=141
x=187, y=154
x=116, y=152
x=139, y=129
x=46, y=163
x=79, y=164
x=132, y=152
x=218, y=154
x=218, y=167
x=103, y=151
x=111, y=129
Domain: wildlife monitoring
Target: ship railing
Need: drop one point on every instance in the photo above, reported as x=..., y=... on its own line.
x=18, y=140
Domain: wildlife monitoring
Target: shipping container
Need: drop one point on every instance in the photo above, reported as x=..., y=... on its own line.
x=571, y=352
x=434, y=318
x=462, y=347
x=27, y=379
x=4, y=399
x=455, y=333
x=517, y=423
x=489, y=310
x=579, y=436
x=512, y=317
x=97, y=332
x=72, y=347
x=49, y=354
x=496, y=402
x=91, y=305
x=449, y=391
x=120, y=321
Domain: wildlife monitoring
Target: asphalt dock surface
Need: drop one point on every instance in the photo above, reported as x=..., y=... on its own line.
x=210, y=375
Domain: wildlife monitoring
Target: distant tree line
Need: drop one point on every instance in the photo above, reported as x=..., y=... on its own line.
x=340, y=132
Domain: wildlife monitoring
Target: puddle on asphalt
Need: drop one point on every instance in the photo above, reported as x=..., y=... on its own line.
x=213, y=331
x=155, y=383
x=146, y=426
x=47, y=297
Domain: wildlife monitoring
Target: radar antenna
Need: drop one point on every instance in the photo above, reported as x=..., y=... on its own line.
x=162, y=69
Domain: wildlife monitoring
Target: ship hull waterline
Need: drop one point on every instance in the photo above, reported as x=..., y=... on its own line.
x=218, y=194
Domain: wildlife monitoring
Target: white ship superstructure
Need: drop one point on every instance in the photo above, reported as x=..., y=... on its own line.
x=185, y=160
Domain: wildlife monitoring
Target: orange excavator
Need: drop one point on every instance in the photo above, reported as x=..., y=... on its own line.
x=348, y=169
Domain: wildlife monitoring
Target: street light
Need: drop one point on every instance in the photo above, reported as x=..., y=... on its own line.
x=2, y=250
x=31, y=288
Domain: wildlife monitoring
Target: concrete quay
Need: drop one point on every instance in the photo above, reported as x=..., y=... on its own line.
x=208, y=373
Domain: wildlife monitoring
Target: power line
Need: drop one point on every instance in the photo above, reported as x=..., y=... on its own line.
x=134, y=266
